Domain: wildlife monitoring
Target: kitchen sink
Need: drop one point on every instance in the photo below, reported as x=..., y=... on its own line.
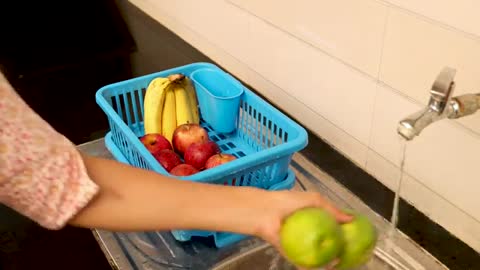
x=160, y=251
x=265, y=257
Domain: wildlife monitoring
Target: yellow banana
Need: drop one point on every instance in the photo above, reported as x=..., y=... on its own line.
x=169, y=117
x=182, y=105
x=153, y=105
x=192, y=97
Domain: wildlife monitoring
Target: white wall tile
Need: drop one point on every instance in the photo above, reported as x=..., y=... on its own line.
x=390, y=108
x=444, y=157
x=322, y=127
x=348, y=29
x=217, y=21
x=441, y=211
x=453, y=219
x=415, y=51
x=461, y=14
x=335, y=91
x=383, y=170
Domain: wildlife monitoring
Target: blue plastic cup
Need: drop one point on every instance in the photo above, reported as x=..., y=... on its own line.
x=218, y=96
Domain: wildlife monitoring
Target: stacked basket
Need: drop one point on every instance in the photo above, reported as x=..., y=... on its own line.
x=263, y=139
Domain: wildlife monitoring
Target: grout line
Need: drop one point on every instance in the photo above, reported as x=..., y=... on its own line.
x=420, y=183
x=377, y=88
x=307, y=42
x=430, y=20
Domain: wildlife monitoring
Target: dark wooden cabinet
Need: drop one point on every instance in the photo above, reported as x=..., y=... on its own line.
x=57, y=54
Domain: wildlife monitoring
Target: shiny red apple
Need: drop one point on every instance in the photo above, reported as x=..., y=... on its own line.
x=184, y=170
x=198, y=153
x=186, y=134
x=218, y=159
x=155, y=142
x=168, y=159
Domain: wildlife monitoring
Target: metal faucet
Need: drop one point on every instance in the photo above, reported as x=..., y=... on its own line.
x=441, y=105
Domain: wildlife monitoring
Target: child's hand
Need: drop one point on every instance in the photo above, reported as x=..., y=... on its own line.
x=286, y=203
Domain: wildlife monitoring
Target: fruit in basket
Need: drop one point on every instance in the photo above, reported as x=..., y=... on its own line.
x=168, y=159
x=219, y=159
x=184, y=114
x=184, y=170
x=186, y=134
x=197, y=154
x=186, y=103
x=153, y=105
x=311, y=237
x=360, y=238
x=155, y=142
x=192, y=97
x=170, y=102
x=169, y=119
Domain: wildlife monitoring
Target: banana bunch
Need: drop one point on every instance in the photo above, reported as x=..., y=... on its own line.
x=169, y=102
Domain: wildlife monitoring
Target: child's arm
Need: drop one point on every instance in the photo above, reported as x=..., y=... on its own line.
x=44, y=177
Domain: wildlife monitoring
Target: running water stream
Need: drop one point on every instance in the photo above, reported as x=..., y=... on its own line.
x=390, y=246
x=394, y=218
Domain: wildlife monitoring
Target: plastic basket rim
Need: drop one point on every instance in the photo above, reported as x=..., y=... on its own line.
x=265, y=155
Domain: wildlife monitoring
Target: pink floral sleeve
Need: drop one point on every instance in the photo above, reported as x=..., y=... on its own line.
x=42, y=175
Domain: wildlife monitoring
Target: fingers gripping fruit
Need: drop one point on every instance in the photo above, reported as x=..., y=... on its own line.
x=312, y=238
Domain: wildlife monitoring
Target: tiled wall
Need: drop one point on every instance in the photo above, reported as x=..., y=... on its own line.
x=350, y=70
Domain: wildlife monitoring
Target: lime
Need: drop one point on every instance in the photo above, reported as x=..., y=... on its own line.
x=360, y=238
x=311, y=238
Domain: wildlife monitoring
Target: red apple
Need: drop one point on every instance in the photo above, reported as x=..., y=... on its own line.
x=198, y=153
x=155, y=142
x=186, y=134
x=168, y=159
x=183, y=170
x=218, y=159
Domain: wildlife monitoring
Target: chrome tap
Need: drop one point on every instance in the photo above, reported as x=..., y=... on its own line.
x=441, y=105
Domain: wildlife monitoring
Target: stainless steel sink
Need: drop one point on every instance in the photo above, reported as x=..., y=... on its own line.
x=265, y=257
x=160, y=251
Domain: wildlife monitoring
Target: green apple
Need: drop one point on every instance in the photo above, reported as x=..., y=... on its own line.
x=311, y=238
x=360, y=238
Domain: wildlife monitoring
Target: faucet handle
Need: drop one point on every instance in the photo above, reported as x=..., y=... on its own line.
x=442, y=89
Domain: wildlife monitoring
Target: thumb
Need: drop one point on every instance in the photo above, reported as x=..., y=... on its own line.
x=339, y=215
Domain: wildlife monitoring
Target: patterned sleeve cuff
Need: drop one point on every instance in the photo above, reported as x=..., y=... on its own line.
x=42, y=174
x=53, y=191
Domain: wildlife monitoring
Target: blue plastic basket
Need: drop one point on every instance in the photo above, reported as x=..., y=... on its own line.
x=263, y=142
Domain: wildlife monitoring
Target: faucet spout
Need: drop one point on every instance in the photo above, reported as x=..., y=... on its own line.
x=441, y=105
x=440, y=95
x=412, y=125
